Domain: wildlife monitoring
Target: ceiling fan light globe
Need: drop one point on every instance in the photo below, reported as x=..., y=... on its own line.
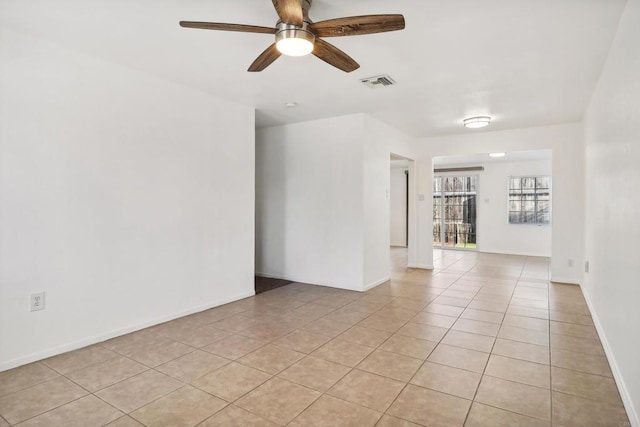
x=294, y=41
x=295, y=46
x=477, y=122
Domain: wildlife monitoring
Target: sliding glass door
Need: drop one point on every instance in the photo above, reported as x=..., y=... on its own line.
x=454, y=211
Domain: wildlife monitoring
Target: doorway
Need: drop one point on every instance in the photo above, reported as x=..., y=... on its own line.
x=402, y=197
x=399, y=202
x=455, y=212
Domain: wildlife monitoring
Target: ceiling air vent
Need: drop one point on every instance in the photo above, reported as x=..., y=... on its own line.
x=378, y=81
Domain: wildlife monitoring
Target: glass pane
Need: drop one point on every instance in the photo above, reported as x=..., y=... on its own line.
x=449, y=234
x=528, y=183
x=543, y=206
x=529, y=205
x=436, y=234
x=474, y=183
x=469, y=210
x=436, y=213
x=515, y=184
x=437, y=184
x=457, y=183
x=542, y=182
x=447, y=184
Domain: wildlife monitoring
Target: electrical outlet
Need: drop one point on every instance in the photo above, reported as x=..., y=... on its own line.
x=37, y=301
x=570, y=262
x=586, y=266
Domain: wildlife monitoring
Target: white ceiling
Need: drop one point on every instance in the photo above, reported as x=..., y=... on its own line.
x=525, y=63
x=479, y=159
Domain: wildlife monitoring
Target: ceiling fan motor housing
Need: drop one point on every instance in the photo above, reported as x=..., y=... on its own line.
x=288, y=31
x=299, y=38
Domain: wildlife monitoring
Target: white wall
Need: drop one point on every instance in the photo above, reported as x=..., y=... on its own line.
x=612, y=233
x=322, y=210
x=398, y=206
x=309, y=202
x=495, y=234
x=380, y=140
x=115, y=198
x=566, y=143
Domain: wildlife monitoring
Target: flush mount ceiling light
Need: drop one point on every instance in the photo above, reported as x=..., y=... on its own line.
x=477, y=122
x=294, y=41
x=291, y=104
x=497, y=154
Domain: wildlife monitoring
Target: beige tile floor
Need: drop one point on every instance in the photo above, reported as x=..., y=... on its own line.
x=483, y=340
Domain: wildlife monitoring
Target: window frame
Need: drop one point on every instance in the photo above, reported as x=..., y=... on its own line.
x=535, y=195
x=442, y=192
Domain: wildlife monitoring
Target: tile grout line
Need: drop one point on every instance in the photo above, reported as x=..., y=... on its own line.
x=439, y=292
x=351, y=369
x=550, y=361
x=272, y=376
x=475, y=395
x=305, y=356
x=48, y=410
x=383, y=413
x=442, y=337
x=425, y=361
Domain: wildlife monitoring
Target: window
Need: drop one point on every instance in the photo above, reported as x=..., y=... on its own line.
x=454, y=211
x=529, y=200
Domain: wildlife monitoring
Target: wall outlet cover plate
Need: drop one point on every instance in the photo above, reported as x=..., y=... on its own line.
x=37, y=301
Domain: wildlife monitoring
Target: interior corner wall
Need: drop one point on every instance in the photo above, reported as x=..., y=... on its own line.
x=566, y=143
x=115, y=199
x=309, y=202
x=322, y=206
x=380, y=140
x=612, y=136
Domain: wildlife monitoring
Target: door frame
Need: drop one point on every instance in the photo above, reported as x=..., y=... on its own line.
x=442, y=206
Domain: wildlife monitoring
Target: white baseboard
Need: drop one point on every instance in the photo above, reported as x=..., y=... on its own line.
x=632, y=412
x=518, y=253
x=272, y=276
x=306, y=281
x=566, y=280
x=377, y=283
x=318, y=283
x=421, y=266
x=34, y=357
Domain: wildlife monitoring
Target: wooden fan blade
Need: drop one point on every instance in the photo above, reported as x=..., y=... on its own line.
x=227, y=27
x=334, y=56
x=289, y=11
x=357, y=25
x=265, y=59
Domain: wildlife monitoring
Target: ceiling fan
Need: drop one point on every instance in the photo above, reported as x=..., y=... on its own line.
x=297, y=35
